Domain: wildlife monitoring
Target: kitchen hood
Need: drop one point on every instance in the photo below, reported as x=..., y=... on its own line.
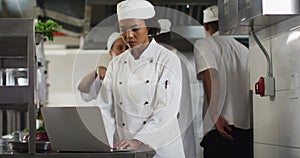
x=236, y=15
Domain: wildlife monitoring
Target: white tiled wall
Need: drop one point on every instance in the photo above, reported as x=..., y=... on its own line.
x=288, y=152
x=276, y=120
x=265, y=151
x=265, y=120
x=288, y=120
x=286, y=57
x=270, y=151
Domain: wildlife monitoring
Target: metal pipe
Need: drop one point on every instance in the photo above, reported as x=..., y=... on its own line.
x=270, y=71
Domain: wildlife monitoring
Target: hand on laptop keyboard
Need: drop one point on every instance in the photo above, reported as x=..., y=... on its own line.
x=128, y=144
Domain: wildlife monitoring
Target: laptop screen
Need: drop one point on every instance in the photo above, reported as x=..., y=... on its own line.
x=76, y=129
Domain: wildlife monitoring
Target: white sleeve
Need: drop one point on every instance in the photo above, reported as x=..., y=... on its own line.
x=162, y=127
x=105, y=102
x=205, y=55
x=104, y=60
x=94, y=90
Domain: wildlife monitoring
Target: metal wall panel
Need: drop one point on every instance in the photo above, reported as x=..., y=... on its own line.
x=236, y=15
x=229, y=18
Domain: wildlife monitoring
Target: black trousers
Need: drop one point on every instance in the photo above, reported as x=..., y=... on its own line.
x=215, y=146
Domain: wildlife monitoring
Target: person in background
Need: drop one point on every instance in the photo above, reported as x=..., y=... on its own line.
x=222, y=64
x=141, y=92
x=90, y=84
x=185, y=115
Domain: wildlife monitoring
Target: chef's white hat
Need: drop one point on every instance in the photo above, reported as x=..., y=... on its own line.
x=210, y=14
x=135, y=9
x=111, y=40
x=165, y=25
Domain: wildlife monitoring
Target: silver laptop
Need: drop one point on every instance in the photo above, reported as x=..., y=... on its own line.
x=76, y=129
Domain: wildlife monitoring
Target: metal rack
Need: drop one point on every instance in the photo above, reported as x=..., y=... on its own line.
x=17, y=53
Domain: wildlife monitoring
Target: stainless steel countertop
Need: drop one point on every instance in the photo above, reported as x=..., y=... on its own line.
x=5, y=152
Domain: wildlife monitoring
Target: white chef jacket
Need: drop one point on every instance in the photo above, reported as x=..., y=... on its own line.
x=142, y=97
x=104, y=60
x=223, y=53
x=185, y=117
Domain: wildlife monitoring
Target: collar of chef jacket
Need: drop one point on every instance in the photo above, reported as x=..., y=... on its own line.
x=148, y=52
x=215, y=34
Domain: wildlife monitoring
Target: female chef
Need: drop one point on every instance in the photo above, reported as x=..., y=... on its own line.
x=90, y=84
x=141, y=92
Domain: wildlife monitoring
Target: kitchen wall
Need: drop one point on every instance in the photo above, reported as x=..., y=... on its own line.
x=66, y=68
x=276, y=120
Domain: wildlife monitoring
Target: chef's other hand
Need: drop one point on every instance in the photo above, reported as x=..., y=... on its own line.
x=128, y=144
x=101, y=72
x=223, y=128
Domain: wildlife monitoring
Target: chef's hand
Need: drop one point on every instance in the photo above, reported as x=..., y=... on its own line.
x=101, y=72
x=223, y=128
x=128, y=144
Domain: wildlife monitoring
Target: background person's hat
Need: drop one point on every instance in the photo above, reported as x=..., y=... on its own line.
x=210, y=14
x=111, y=40
x=135, y=9
x=165, y=25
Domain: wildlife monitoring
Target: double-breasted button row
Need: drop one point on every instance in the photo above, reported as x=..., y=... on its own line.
x=147, y=81
x=120, y=83
x=145, y=103
x=144, y=122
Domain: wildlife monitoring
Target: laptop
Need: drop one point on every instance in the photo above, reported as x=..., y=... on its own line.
x=74, y=129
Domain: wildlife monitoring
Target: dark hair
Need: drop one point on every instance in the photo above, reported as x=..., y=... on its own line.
x=214, y=25
x=153, y=26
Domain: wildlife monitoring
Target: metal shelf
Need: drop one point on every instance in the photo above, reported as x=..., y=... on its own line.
x=14, y=95
x=17, y=51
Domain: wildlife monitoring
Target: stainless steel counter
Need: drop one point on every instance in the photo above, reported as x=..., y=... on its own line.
x=5, y=152
x=80, y=155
